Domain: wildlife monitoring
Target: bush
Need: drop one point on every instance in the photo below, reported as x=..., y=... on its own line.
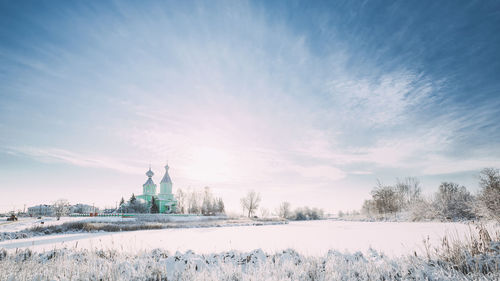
x=453, y=202
x=306, y=213
x=422, y=209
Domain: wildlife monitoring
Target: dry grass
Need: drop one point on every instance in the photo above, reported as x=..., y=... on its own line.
x=478, y=252
x=74, y=264
x=89, y=226
x=95, y=226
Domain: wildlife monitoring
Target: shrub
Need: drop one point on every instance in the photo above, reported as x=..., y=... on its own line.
x=307, y=213
x=422, y=209
x=453, y=202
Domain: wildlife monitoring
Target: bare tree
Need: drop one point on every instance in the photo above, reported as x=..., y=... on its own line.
x=194, y=204
x=408, y=191
x=489, y=197
x=385, y=198
x=207, y=205
x=250, y=202
x=219, y=206
x=264, y=213
x=61, y=208
x=369, y=208
x=181, y=201
x=284, y=210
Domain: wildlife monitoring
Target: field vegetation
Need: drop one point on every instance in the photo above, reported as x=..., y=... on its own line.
x=476, y=258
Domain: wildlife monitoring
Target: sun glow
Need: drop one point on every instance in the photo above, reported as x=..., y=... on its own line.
x=210, y=164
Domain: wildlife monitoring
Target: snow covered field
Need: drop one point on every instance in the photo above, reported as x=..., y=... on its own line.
x=309, y=238
x=310, y=250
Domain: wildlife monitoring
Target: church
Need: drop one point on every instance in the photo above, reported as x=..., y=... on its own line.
x=165, y=199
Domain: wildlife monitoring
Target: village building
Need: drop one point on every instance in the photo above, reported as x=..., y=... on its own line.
x=82, y=209
x=165, y=199
x=41, y=210
x=48, y=210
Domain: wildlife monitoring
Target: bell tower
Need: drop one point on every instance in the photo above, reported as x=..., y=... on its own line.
x=166, y=183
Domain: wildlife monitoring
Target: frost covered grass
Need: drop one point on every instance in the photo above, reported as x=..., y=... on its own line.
x=95, y=226
x=477, y=252
x=75, y=264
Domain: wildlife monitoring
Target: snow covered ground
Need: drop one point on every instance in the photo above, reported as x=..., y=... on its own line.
x=310, y=250
x=312, y=238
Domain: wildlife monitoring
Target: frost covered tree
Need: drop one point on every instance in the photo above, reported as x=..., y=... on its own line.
x=423, y=209
x=386, y=199
x=307, y=213
x=61, y=208
x=250, y=203
x=264, y=213
x=207, y=206
x=181, y=201
x=489, y=196
x=369, y=208
x=219, y=206
x=453, y=202
x=284, y=210
x=193, y=201
x=194, y=205
x=408, y=192
x=391, y=199
x=135, y=206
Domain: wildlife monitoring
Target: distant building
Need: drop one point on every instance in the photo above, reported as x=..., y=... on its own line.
x=109, y=210
x=82, y=209
x=165, y=199
x=41, y=210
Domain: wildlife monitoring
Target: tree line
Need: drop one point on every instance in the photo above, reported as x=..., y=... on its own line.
x=251, y=202
x=302, y=213
x=190, y=201
x=193, y=201
x=450, y=202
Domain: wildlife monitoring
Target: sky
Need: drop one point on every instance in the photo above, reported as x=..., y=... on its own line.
x=309, y=102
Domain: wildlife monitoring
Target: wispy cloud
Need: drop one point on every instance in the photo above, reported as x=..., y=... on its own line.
x=237, y=95
x=380, y=101
x=56, y=155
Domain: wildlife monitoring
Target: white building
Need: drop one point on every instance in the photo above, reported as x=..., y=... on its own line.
x=41, y=210
x=82, y=209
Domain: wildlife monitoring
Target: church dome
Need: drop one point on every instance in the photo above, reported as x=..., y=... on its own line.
x=150, y=173
x=166, y=177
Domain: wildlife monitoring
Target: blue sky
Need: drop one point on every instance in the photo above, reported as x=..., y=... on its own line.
x=304, y=101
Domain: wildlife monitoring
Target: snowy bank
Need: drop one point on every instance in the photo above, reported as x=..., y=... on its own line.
x=73, y=264
x=116, y=224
